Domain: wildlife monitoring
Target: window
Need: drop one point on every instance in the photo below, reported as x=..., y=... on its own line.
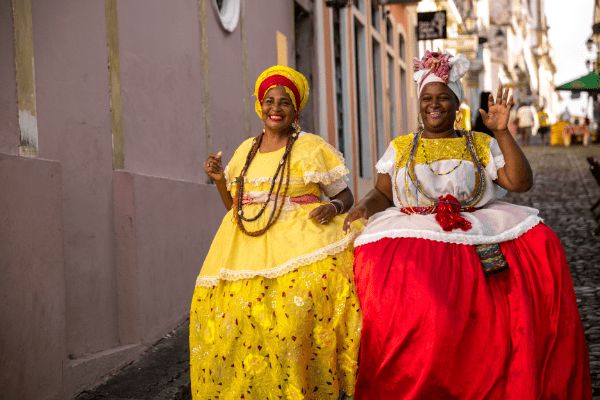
x=378, y=98
x=229, y=13
x=391, y=97
x=403, y=83
x=340, y=95
x=362, y=100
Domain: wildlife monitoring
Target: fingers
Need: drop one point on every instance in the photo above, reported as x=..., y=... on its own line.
x=353, y=215
x=350, y=218
x=323, y=214
x=504, y=95
x=483, y=113
x=347, y=222
x=490, y=100
x=499, y=94
x=510, y=102
x=213, y=162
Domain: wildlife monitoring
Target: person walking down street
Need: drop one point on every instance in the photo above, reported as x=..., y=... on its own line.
x=526, y=119
x=463, y=296
x=544, y=125
x=275, y=313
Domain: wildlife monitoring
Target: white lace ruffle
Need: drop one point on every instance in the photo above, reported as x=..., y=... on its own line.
x=452, y=237
x=327, y=177
x=318, y=255
x=334, y=188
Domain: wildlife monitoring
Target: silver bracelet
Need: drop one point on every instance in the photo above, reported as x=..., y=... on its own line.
x=333, y=202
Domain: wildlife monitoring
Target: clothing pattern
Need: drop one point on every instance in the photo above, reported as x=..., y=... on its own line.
x=434, y=324
x=276, y=316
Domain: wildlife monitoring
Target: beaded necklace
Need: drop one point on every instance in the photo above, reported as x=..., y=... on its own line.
x=283, y=167
x=411, y=177
x=428, y=162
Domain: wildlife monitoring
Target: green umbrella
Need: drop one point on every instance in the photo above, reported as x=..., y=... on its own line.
x=587, y=83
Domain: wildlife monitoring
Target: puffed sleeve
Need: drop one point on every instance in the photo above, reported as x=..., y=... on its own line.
x=323, y=164
x=234, y=166
x=386, y=163
x=496, y=160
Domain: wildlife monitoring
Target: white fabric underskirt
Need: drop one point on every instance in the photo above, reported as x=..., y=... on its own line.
x=497, y=222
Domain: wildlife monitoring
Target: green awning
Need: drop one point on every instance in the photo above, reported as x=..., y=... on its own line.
x=586, y=83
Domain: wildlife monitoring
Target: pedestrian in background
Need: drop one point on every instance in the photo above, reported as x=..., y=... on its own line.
x=463, y=296
x=483, y=105
x=544, y=124
x=275, y=313
x=526, y=120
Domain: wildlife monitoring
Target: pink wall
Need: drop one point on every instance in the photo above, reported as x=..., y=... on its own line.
x=161, y=87
x=32, y=305
x=74, y=129
x=168, y=227
x=9, y=128
x=101, y=263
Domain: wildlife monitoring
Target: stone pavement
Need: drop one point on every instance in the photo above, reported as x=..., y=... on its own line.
x=564, y=191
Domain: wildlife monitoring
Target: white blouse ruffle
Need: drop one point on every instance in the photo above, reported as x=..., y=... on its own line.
x=494, y=222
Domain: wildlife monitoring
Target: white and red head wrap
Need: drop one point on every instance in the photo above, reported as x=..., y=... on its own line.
x=441, y=67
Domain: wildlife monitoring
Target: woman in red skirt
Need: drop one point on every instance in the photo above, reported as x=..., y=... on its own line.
x=463, y=296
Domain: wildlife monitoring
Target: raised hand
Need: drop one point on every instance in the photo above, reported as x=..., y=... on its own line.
x=496, y=118
x=214, y=167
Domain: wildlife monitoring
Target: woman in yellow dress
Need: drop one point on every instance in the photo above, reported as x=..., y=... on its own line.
x=275, y=314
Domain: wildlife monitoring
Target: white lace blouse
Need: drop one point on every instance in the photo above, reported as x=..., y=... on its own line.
x=445, y=166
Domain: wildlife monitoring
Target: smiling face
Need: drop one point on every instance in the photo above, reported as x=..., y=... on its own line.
x=278, y=111
x=437, y=106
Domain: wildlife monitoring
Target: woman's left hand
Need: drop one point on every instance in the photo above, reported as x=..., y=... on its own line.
x=323, y=214
x=496, y=118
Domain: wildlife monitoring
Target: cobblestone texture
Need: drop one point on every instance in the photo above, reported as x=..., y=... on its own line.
x=564, y=191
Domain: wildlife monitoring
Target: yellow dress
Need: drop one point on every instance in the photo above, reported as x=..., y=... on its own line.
x=277, y=316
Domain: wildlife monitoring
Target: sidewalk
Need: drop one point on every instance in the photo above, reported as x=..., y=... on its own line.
x=162, y=373
x=564, y=191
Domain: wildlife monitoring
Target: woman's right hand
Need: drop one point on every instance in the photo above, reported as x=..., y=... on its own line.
x=214, y=167
x=357, y=212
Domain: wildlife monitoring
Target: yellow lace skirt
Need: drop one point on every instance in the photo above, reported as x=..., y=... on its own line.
x=291, y=337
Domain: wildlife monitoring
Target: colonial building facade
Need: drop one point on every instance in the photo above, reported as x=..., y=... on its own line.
x=109, y=110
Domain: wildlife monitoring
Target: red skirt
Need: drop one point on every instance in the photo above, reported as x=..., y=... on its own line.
x=435, y=327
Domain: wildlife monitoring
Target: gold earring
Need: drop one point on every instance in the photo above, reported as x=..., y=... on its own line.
x=419, y=121
x=458, y=117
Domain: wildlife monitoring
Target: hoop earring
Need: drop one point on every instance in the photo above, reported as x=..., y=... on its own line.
x=420, y=125
x=458, y=117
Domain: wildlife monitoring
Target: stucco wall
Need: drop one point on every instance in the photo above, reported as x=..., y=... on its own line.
x=101, y=263
x=32, y=288
x=161, y=88
x=9, y=129
x=74, y=129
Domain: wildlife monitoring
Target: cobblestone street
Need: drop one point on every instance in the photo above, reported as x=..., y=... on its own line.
x=564, y=191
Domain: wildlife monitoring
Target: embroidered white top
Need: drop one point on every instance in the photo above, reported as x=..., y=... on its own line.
x=494, y=221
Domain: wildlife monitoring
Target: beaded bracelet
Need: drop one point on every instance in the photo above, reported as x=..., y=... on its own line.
x=333, y=202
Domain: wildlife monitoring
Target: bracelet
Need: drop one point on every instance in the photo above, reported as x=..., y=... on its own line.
x=334, y=202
